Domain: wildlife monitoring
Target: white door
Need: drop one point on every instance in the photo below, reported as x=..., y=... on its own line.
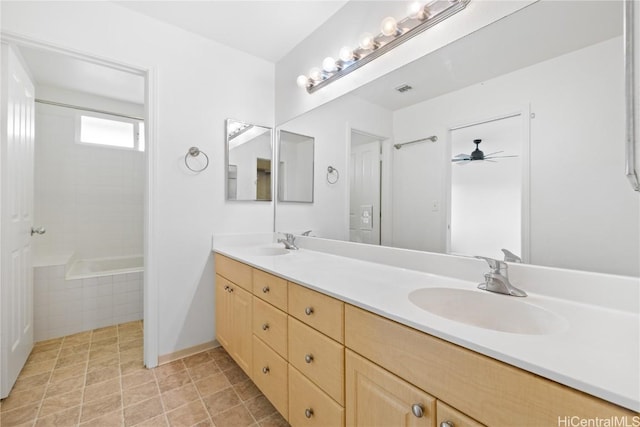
x=16, y=205
x=364, y=209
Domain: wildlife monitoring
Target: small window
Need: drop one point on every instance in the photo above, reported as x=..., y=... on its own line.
x=110, y=131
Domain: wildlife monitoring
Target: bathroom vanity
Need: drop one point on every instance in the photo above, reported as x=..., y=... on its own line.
x=329, y=346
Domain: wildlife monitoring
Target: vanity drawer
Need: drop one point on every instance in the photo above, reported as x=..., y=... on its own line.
x=318, y=357
x=317, y=310
x=235, y=271
x=270, y=325
x=270, y=375
x=270, y=288
x=446, y=414
x=310, y=406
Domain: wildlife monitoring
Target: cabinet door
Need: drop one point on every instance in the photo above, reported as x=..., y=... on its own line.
x=223, y=312
x=241, y=344
x=375, y=397
x=449, y=417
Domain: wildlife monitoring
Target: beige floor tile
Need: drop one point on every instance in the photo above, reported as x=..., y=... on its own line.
x=260, y=407
x=100, y=390
x=61, y=374
x=131, y=366
x=104, y=362
x=139, y=393
x=102, y=374
x=142, y=411
x=188, y=414
x=159, y=421
x=172, y=381
x=68, y=417
x=72, y=359
x=60, y=402
x=237, y=416
x=225, y=362
x=20, y=415
x=217, y=353
x=42, y=346
x=212, y=384
x=203, y=370
x=24, y=397
x=104, y=342
x=179, y=396
x=221, y=401
x=75, y=339
x=246, y=390
x=96, y=352
x=275, y=420
x=204, y=423
x=235, y=375
x=112, y=419
x=197, y=359
x=23, y=383
x=169, y=369
x=137, y=378
x=64, y=386
x=130, y=345
x=99, y=407
x=43, y=356
x=37, y=368
x=76, y=349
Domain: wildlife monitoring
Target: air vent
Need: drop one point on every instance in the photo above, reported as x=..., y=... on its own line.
x=404, y=88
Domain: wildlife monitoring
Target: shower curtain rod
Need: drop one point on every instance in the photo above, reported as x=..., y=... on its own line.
x=92, y=110
x=429, y=138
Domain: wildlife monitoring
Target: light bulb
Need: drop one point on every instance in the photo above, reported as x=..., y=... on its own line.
x=329, y=64
x=346, y=54
x=389, y=26
x=302, y=81
x=315, y=74
x=367, y=42
x=414, y=9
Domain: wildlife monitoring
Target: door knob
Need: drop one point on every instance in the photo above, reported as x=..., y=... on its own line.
x=38, y=230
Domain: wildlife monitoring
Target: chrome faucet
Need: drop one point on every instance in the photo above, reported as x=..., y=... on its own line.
x=307, y=233
x=497, y=280
x=289, y=241
x=510, y=256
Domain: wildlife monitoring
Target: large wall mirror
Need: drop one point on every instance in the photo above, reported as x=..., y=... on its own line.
x=512, y=137
x=295, y=167
x=249, y=158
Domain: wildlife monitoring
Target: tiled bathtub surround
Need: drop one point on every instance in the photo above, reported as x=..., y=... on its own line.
x=64, y=307
x=96, y=378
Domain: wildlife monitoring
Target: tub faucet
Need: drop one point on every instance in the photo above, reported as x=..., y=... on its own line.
x=289, y=241
x=497, y=280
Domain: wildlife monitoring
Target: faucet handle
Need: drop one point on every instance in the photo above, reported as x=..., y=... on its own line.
x=510, y=256
x=307, y=233
x=496, y=265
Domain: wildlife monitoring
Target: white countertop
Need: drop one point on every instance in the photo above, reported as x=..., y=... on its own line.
x=597, y=351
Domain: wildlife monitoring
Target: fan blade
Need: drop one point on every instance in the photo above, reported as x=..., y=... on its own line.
x=491, y=154
x=461, y=156
x=460, y=160
x=500, y=157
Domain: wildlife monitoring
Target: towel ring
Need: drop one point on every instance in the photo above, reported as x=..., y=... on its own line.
x=332, y=172
x=195, y=152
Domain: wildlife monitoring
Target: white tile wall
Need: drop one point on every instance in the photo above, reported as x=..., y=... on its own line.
x=64, y=307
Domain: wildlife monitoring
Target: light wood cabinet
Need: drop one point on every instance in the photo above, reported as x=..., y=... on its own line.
x=233, y=321
x=317, y=310
x=309, y=405
x=377, y=398
x=270, y=288
x=450, y=417
x=270, y=325
x=318, y=357
x=235, y=271
x=270, y=375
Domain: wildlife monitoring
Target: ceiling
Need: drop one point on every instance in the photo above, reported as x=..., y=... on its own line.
x=267, y=29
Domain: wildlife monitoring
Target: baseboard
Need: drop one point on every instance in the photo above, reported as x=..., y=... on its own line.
x=170, y=357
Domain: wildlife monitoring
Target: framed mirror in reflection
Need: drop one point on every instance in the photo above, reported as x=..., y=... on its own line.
x=249, y=158
x=295, y=167
x=543, y=89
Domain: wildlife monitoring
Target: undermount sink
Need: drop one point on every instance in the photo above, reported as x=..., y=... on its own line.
x=268, y=251
x=489, y=311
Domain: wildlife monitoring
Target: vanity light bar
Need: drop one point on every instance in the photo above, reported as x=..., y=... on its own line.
x=393, y=33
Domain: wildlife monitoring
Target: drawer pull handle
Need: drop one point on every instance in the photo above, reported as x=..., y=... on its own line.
x=308, y=412
x=308, y=311
x=226, y=288
x=447, y=424
x=265, y=290
x=418, y=411
x=230, y=289
x=265, y=326
x=265, y=370
x=308, y=358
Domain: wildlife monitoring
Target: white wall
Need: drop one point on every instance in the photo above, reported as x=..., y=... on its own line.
x=345, y=28
x=89, y=198
x=583, y=212
x=328, y=215
x=195, y=94
x=245, y=157
x=295, y=167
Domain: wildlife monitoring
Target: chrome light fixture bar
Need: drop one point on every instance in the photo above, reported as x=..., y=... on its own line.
x=393, y=33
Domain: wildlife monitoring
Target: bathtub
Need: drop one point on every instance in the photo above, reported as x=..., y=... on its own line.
x=74, y=295
x=98, y=267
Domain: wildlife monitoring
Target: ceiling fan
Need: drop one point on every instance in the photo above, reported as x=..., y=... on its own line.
x=477, y=154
